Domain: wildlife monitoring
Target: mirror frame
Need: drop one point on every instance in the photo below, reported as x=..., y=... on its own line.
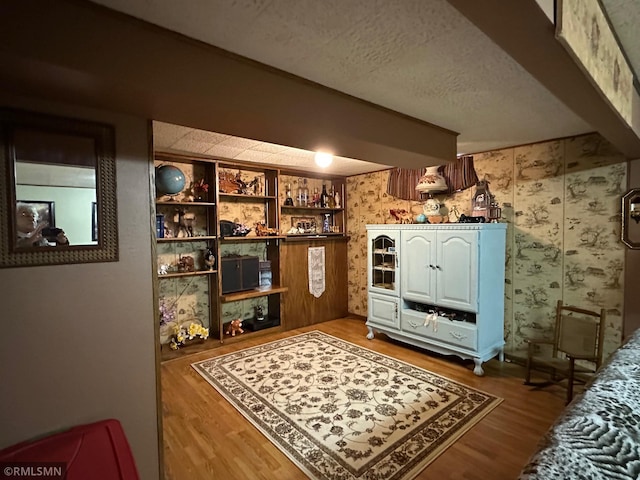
x=630, y=226
x=106, y=250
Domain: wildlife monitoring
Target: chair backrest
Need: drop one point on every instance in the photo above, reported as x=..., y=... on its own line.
x=580, y=332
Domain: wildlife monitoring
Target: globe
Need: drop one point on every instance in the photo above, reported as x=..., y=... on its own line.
x=169, y=180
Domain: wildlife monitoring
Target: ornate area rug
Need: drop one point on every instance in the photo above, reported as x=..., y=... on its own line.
x=340, y=411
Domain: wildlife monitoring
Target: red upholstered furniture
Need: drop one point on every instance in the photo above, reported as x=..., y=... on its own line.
x=97, y=451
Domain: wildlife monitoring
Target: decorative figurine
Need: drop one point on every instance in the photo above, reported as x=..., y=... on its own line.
x=263, y=231
x=186, y=264
x=481, y=200
x=234, y=327
x=184, y=223
x=401, y=215
x=209, y=258
x=259, y=313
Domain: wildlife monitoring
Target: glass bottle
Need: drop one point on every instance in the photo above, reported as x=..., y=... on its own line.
x=330, y=201
x=324, y=197
x=316, y=197
x=288, y=201
x=299, y=193
x=326, y=227
x=305, y=194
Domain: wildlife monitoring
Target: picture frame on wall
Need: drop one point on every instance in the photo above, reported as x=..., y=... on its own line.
x=94, y=221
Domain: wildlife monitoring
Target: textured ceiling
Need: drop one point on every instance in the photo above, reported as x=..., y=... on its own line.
x=178, y=139
x=417, y=57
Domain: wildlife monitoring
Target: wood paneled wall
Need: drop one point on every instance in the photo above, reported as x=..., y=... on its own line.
x=300, y=307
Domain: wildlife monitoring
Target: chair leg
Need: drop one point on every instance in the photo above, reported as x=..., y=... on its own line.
x=570, y=380
x=527, y=376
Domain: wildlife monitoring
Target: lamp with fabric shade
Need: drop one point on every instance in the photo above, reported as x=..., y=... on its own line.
x=432, y=181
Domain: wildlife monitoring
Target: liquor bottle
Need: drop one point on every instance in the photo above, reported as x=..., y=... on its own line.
x=326, y=227
x=299, y=194
x=324, y=197
x=316, y=197
x=330, y=201
x=305, y=194
x=288, y=201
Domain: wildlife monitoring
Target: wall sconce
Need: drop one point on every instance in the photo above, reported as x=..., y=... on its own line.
x=631, y=211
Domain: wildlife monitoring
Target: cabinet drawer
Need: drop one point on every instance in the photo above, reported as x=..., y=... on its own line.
x=455, y=333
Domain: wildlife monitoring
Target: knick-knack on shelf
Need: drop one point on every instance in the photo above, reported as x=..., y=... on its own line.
x=209, y=258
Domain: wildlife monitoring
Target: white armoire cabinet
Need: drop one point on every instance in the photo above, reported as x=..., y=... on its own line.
x=447, y=292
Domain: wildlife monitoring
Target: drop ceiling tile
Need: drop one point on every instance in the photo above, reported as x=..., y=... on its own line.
x=237, y=142
x=224, y=151
x=253, y=156
x=297, y=153
x=269, y=147
x=166, y=134
x=207, y=137
x=192, y=146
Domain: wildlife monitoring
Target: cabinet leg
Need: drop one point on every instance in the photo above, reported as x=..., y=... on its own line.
x=370, y=335
x=501, y=355
x=478, y=368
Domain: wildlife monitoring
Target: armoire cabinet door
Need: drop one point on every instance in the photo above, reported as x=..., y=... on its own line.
x=457, y=270
x=384, y=310
x=418, y=260
x=383, y=272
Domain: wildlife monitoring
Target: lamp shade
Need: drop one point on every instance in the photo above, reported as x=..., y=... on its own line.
x=460, y=174
x=432, y=181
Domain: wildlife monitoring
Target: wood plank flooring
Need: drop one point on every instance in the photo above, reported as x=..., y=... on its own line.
x=206, y=438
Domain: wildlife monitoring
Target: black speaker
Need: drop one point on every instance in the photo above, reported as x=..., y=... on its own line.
x=240, y=273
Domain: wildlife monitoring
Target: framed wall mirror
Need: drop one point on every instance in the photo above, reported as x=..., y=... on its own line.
x=631, y=218
x=60, y=178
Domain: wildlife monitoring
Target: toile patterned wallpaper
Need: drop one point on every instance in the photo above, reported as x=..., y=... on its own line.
x=561, y=200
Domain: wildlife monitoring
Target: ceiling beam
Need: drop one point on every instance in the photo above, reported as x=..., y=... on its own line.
x=523, y=30
x=79, y=52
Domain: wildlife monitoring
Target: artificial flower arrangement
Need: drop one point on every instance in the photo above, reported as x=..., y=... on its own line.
x=183, y=334
x=167, y=312
x=200, y=187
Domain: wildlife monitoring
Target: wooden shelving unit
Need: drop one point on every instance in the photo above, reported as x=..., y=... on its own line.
x=187, y=274
x=257, y=207
x=255, y=293
x=264, y=205
x=201, y=238
x=202, y=282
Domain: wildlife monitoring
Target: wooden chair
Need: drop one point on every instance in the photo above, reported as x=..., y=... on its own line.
x=578, y=336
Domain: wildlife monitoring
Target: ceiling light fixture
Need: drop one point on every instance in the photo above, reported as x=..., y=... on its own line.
x=323, y=159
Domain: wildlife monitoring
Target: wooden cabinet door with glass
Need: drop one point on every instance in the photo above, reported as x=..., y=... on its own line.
x=383, y=271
